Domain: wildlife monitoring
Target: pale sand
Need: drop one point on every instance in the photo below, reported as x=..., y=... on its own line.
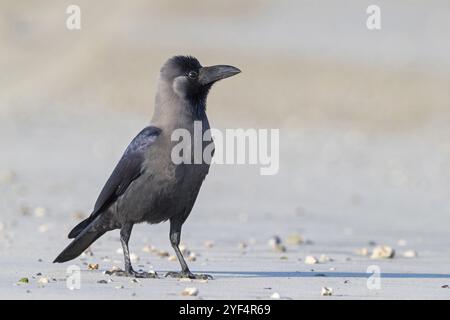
x=339, y=190
x=365, y=144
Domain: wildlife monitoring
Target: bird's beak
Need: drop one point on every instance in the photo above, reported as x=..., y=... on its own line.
x=209, y=75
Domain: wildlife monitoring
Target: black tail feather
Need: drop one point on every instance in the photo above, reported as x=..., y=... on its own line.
x=80, y=227
x=79, y=245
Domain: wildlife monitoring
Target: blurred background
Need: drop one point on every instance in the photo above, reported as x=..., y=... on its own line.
x=363, y=115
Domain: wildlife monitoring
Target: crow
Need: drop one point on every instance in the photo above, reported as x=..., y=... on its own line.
x=147, y=185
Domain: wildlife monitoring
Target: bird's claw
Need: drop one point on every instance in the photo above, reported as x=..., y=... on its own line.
x=188, y=275
x=132, y=273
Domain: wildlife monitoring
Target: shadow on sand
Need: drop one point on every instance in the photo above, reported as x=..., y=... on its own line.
x=299, y=274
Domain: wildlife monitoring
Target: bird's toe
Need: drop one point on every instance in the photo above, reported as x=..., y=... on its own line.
x=143, y=274
x=188, y=275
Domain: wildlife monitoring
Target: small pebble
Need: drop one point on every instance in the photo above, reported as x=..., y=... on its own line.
x=119, y=287
x=242, y=245
x=25, y=210
x=274, y=241
x=102, y=281
x=190, y=291
x=111, y=271
x=192, y=256
x=279, y=248
x=382, y=252
x=93, y=266
x=323, y=258
x=326, y=291
x=311, y=260
x=276, y=244
x=163, y=253
x=87, y=252
x=209, y=244
x=23, y=280
x=295, y=239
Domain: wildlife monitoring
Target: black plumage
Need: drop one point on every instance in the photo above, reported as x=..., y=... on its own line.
x=146, y=185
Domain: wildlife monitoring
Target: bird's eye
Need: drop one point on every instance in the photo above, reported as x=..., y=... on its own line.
x=193, y=75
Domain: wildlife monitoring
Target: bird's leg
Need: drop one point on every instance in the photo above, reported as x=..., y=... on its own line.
x=175, y=235
x=125, y=233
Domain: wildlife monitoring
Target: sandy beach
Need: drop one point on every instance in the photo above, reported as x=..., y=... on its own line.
x=364, y=151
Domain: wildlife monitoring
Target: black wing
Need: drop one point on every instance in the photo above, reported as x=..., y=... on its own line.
x=128, y=169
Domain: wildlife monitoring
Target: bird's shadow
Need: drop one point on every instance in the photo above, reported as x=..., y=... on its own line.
x=301, y=274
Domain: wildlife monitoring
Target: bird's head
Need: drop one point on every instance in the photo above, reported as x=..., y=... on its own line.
x=189, y=80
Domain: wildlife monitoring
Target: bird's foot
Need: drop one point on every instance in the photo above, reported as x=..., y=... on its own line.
x=188, y=275
x=132, y=273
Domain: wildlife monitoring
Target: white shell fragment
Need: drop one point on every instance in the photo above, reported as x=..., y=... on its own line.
x=148, y=249
x=311, y=260
x=40, y=212
x=43, y=280
x=43, y=228
x=190, y=291
x=326, y=291
x=134, y=257
x=382, y=252
x=410, y=254
x=275, y=295
x=323, y=258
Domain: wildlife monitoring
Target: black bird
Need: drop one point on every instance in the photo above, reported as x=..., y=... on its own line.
x=147, y=185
